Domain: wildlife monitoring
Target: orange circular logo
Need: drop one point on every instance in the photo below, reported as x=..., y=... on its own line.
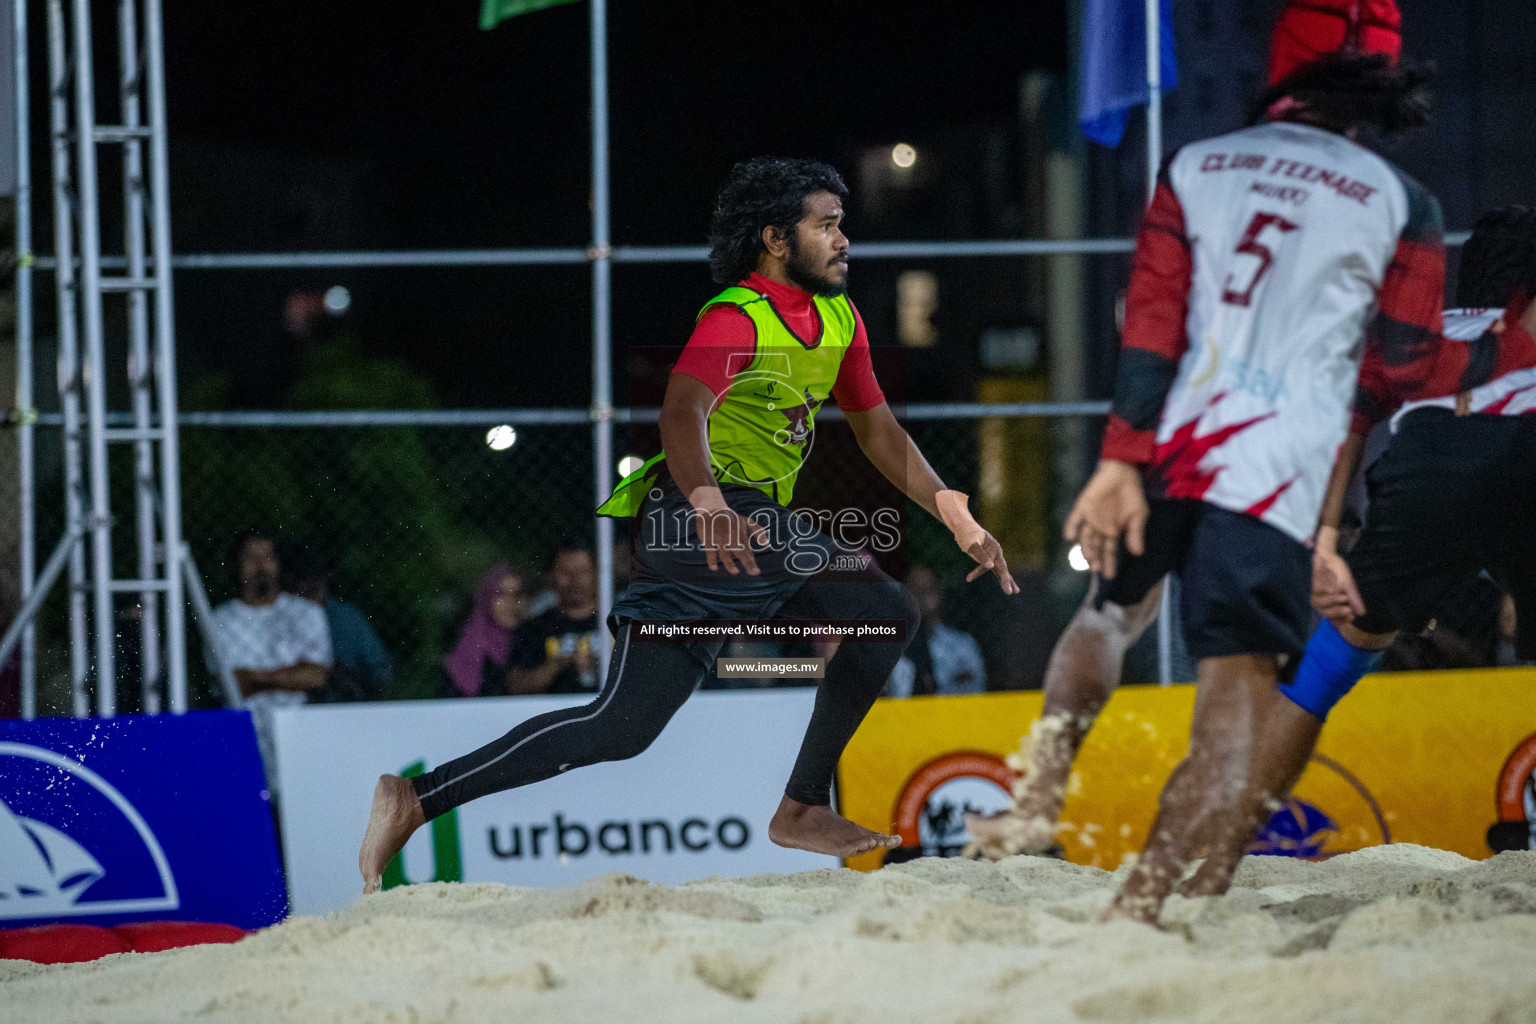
x=1516, y=798
x=1517, y=783
x=930, y=813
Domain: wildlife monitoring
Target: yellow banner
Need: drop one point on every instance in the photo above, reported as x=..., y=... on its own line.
x=1443, y=759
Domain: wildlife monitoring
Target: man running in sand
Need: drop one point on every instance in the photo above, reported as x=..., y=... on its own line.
x=1454, y=494
x=715, y=538
x=1264, y=256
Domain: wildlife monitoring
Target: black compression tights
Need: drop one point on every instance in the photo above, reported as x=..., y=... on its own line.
x=648, y=682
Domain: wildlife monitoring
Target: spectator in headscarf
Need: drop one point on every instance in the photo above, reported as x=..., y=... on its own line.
x=478, y=664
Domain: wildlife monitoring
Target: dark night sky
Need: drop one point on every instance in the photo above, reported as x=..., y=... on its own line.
x=480, y=138
x=351, y=124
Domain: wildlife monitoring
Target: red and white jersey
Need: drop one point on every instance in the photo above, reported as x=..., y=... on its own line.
x=1265, y=256
x=1510, y=394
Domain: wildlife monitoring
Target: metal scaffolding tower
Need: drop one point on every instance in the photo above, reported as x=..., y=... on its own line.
x=81, y=287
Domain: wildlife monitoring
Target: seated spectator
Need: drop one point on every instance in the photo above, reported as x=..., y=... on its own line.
x=939, y=660
x=479, y=662
x=360, y=667
x=277, y=645
x=556, y=652
x=546, y=599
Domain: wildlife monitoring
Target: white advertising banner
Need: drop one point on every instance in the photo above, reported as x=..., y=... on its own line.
x=697, y=803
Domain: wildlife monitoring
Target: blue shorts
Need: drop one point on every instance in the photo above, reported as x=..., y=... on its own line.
x=1245, y=587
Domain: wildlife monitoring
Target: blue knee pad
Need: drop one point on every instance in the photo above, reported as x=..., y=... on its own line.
x=1329, y=669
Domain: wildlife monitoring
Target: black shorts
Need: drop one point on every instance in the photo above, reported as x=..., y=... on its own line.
x=670, y=576
x=1453, y=496
x=1245, y=587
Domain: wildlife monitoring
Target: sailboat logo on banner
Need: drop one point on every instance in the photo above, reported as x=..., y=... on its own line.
x=71, y=844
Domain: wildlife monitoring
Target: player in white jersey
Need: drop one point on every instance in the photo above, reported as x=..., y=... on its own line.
x=1454, y=495
x=1264, y=258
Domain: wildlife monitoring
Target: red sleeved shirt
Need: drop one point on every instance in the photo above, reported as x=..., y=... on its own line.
x=1447, y=370
x=1280, y=275
x=1155, y=336
x=1407, y=358
x=1404, y=341
x=725, y=341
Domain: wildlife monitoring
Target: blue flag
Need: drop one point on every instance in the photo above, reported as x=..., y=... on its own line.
x=1115, y=65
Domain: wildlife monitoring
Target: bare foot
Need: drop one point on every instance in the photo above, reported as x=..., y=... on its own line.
x=1142, y=909
x=396, y=814
x=816, y=828
x=1007, y=833
x=1211, y=878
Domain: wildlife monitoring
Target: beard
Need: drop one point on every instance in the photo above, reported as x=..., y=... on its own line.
x=263, y=585
x=803, y=270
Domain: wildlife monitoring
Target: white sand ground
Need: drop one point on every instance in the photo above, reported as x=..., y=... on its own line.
x=1397, y=933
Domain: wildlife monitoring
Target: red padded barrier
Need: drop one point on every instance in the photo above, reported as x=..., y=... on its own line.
x=153, y=936
x=60, y=943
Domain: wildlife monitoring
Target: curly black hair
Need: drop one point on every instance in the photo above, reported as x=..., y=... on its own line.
x=763, y=192
x=1348, y=89
x=1499, y=259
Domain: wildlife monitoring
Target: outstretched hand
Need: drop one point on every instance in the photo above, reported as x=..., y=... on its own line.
x=988, y=554
x=1113, y=505
x=973, y=539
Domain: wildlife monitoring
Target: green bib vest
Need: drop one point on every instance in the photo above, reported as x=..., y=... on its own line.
x=760, y=428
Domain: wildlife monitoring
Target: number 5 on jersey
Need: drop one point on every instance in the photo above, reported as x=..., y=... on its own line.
x=1253, y=245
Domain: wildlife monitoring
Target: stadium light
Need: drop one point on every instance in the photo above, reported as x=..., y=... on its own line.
x=629, y=463
x=903, y=155
x=501, y=438
x=1076, y=559
x=337, y=300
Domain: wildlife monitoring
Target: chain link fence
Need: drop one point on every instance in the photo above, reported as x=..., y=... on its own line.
x=410, y=513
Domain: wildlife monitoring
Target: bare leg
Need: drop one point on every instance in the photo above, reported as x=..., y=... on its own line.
x=396, y=814
x=819, y=829
x=1084, y=670
x=1284, y=743
x=1207, y=786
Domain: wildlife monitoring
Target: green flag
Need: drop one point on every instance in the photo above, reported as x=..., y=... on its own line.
x=494, y=12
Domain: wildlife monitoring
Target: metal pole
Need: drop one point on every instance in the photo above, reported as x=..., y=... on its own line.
x=95, y=363
x=25, y=461
x=28, y=613
x=140, y=376
x=1154, y=94
x=602, y=326
x=165, y=360
x=1154, y=164
x=1009, y=247
x=69, y=351
x=204, y=612
x=288, y=419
